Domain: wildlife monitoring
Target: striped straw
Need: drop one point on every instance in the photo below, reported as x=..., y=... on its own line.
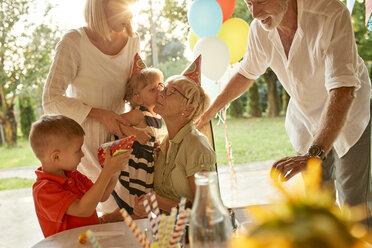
x=169, y=226
x=155, y=206
x=135, y=229
x=182, y=205
x=153, y=224
x=160, y=234
x=179, y=226
x=92, y=239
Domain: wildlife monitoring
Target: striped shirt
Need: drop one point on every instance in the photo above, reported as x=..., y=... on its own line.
x=137, y=176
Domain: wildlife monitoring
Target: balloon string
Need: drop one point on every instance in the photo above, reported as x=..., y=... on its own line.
x=233, y=178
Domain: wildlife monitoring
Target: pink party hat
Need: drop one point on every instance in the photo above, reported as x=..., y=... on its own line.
x=138, y=64
x=193, y=71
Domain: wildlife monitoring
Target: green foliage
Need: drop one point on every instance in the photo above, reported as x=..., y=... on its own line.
x=173, y=67
x=26, y=114
x=24, y=57
x=253, y=106
x=236, y=108
x=15, y=183
x=20, y=155
x=176, y=12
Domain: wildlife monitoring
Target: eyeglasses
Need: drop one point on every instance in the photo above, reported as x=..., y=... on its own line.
x=170, y=91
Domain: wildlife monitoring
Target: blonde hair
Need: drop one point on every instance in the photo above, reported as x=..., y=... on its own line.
x=96, y=19
x=195, y=94
x=52, y=131
x=139, y=81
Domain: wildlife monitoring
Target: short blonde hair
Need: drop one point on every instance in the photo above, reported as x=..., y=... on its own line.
x=50, y=131
x=139, y=81
x=96, y=19
x=195, y=94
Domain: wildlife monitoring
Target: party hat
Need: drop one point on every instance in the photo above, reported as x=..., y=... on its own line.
x=193, y=71
x=138, y=64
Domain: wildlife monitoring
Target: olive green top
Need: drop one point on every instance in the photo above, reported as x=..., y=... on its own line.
x=189, y=152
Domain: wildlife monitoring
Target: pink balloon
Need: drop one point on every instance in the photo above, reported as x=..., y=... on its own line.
x=227, y=7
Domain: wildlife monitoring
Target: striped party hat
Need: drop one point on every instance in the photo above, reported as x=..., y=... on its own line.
x=193, y=71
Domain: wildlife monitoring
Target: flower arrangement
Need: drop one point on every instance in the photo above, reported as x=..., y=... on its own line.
x=304, y=221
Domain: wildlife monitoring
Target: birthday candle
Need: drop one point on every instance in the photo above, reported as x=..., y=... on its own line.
x=92, y=239
x=153, y=224
x=135, y=230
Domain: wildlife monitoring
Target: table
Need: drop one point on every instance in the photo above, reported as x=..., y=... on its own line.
x=69, y=238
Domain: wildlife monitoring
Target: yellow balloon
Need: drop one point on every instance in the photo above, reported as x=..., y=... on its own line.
x=193, y=38
x=234, y=32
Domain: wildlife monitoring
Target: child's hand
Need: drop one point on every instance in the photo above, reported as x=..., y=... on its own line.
x=115, y=164
x=142, y=136
x=139, y=208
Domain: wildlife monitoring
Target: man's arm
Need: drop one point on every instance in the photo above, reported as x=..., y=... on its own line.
x=332, y=121
x=237, y=85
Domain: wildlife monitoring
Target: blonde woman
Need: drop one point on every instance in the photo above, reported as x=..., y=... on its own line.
x=87, y=79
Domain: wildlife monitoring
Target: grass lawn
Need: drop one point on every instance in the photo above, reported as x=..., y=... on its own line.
x=21, y=155
x=252, y=139
x=15, y=183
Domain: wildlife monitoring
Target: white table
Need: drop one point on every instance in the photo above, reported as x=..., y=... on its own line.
x=69, y=238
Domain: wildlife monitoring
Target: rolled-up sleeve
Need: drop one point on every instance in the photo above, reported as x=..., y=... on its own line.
x=64, y=69
x=341, y=61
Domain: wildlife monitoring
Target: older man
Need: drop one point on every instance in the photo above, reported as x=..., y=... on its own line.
x=310, y=46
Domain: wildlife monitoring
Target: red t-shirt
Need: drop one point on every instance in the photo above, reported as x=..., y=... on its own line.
x=52, y=197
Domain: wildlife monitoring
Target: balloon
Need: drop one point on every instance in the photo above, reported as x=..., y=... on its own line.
x=205, y=17
x=227, y=7
x=215, y=56
x=192, y=38
x=234, y=32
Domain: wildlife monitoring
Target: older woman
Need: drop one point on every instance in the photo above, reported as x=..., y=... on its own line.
x=184, y=151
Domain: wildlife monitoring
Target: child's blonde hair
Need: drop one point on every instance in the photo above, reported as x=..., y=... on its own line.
x=51, y=132
x=139, y=81
x=195, y=94
x=96, y=19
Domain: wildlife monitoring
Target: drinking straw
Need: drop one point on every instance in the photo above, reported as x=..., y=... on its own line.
x=160, y=234
x=153, y=224
x=155, y=206
x=178, y=229
x=169, y=226
x=135, y=229
x=92, y=239
x=182, y=204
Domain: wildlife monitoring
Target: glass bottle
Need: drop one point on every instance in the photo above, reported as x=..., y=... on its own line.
x=210, y=223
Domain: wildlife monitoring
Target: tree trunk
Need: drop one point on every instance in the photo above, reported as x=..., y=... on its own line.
x=254, y=105
x=10, y=128
x=272, y=95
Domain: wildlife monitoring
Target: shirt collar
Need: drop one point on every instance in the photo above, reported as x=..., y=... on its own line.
x=179, y=136
x=41, y=175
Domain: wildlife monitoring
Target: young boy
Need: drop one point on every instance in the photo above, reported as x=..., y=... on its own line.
x=64, y=198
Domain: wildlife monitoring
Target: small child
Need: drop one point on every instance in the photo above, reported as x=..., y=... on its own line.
x=136, y=178
x=63, y=197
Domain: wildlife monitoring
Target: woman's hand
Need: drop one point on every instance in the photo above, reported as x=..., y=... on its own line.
x=109, y=119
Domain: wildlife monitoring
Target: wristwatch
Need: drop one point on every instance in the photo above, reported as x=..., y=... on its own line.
x=316, y=151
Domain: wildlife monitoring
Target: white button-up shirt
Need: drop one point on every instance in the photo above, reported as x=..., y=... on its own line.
x=323, y=56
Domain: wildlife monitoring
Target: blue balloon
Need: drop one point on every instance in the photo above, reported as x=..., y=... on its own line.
x=205, y=17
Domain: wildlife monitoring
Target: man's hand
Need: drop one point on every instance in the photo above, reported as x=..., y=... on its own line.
x=290, y=166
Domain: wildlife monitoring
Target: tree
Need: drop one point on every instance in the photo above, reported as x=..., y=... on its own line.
x=272, y=94
x=24, y=57
x=26, y=114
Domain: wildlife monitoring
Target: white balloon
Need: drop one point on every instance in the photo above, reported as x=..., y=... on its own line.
x=215, y=56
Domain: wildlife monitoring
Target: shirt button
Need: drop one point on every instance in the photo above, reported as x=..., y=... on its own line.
x=69, y=181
